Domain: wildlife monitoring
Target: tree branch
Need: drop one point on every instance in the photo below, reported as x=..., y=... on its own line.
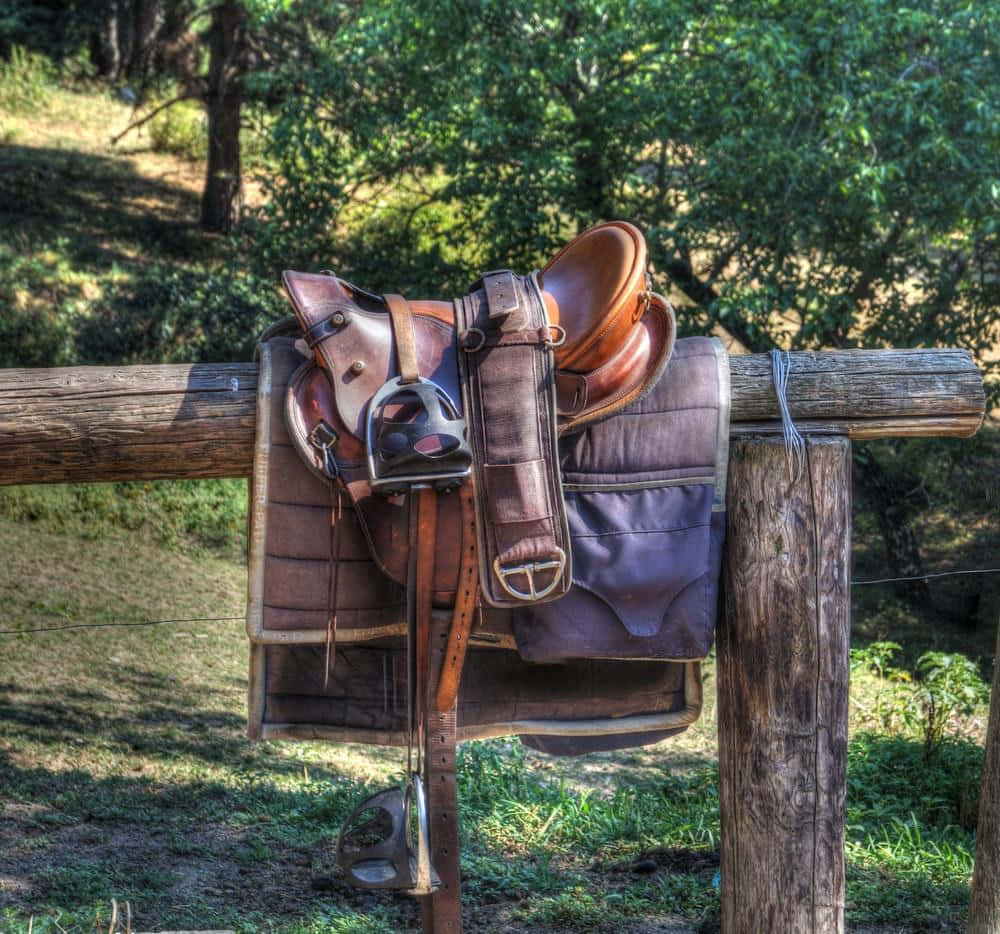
x=703, y=294
x=151, y=114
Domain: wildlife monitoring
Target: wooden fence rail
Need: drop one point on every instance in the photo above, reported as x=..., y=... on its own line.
x=153, y=422
x=783, y=639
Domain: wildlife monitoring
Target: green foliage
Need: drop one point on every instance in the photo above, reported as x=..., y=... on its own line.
x=181, y=129
x=910, y=826
x=39, y=302
x=891, y=700
x=949, y=685
x=806, y=175
x=169, y=314
x=26, y=81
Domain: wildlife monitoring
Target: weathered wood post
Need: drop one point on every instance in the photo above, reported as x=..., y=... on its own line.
x=984, y=915
x=783, y=647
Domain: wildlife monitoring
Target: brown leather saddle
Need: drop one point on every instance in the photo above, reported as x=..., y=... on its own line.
x=615, y=339
x=437, y=423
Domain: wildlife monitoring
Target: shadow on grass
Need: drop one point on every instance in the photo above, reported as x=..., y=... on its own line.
x=203, y=828
x=101, y=210
x=101, y=264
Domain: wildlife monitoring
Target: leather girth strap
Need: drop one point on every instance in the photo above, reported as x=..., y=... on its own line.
x=466, y=603
x=505, y=355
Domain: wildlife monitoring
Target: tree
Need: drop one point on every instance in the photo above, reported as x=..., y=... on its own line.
x=807, y=175
x=222, y=198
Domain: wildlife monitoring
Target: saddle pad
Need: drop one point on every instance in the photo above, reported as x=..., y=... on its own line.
x=291, y=536
x=565, y=708
x=581, y=706
x=645, y=501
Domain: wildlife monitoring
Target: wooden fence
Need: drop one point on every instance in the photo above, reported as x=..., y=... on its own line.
x=783, y=641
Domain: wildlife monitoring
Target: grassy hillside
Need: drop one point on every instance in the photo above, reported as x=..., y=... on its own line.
x=124, y=771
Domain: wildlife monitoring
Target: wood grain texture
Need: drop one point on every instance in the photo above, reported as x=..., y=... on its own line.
x=151, y=422
x=861, y=385
x=783, y=673
x=984, y=914
x=127, y=423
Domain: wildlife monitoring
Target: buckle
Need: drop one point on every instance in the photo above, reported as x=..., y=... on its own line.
x=529, y=569
x=323, y=437
x=415, y=434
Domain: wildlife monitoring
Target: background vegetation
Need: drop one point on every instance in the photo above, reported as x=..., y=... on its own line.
x=806, y=177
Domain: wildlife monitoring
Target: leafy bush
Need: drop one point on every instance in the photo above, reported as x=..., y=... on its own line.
x=948, y=685
x=172, y=315
x=181, y=129
x=26, y=81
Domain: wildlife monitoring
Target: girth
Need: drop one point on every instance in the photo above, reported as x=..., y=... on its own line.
x=507, y=371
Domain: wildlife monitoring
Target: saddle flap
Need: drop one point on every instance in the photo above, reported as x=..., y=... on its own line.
x=355, y=345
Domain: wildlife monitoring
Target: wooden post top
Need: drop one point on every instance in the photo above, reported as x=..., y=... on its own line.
x=98, y=424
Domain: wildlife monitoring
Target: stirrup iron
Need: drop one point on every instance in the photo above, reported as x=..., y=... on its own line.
x=378, y=852
x=426, y=445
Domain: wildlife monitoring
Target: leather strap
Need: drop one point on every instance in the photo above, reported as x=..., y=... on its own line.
x=466, y=603
x=442, y=911
x=403, y=337
x=508, y=377
x=426, y=540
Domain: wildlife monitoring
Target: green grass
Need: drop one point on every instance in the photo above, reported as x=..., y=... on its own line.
x=126, y=775
x=202, y=515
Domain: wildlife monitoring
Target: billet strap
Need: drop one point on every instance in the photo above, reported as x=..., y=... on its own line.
x=424, y=539
x=508, y=391
x=466, y=604
x=403, y=337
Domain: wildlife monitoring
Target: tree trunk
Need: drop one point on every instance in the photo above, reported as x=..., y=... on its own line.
x=984, y=915
x=147, y=18
x=105, y=52
x=222, y=198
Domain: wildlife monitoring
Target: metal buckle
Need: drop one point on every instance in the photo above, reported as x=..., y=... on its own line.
x=391, y=861
x=392, y=448
x=323, y=437
x=529, y=569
